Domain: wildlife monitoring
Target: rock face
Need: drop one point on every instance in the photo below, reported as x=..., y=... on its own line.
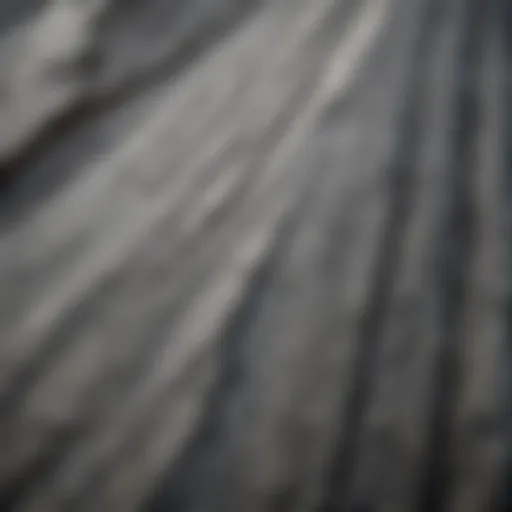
x=255, y=255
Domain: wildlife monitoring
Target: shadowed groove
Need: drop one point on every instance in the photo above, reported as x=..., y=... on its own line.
x=400, y=179
x=504, y=28
x=454, y=249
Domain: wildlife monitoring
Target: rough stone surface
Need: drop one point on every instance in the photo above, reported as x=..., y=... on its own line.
x=255, y=256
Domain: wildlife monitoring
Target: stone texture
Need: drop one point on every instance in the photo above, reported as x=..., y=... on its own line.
x=255, y=255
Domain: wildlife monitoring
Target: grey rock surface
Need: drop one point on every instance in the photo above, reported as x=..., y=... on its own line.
x=255, y=255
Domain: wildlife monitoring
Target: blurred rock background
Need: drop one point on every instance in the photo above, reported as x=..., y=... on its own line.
x=255, y=255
